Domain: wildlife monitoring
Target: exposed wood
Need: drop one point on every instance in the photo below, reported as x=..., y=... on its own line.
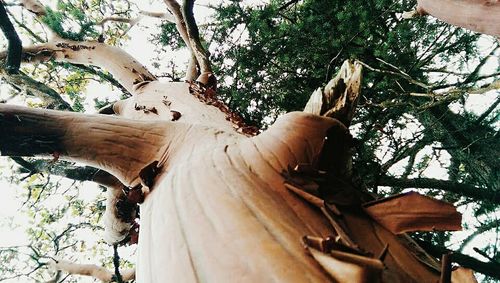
x=410, y=212
x=340, y=96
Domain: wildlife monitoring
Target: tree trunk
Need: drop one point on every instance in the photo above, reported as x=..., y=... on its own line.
x=217, y=208
x=218, y=211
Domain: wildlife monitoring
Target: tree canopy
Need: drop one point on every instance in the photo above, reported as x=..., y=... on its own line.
x=416, y=126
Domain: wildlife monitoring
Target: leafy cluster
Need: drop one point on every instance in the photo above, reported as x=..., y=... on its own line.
x=70, y=22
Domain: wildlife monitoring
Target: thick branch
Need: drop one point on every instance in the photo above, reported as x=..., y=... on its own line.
x=194, y=37
x=449, y=186
x=116, y=145
x=477, y=15
x=130, y=73
x=14, y=51
x=93, y=270
x=175, y=9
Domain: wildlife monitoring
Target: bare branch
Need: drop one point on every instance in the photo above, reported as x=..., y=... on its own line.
x=175, y=9
x=133, y=21
x=180, y=24
x=454, y=94
x=34, y=6
x=396, y=73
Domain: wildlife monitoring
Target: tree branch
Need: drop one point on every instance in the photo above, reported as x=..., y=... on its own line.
x=480, y=16
x=119, y=146
x=93, y=270
x=194, y=37
x=481, y=229
x=131, y=74
x=488, y=111
x=397, y=73
x=14, y=50
x=180, y=23
x=31, y=87
x=449, y=186
x=490, y=269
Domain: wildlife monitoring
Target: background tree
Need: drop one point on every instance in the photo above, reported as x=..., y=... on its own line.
x=273, y=56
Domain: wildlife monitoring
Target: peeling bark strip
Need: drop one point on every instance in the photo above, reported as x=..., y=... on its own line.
x=351, y=254
x=74, y=47
x=207, y=96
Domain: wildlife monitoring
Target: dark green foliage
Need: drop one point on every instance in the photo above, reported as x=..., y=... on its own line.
x=170, y=37
x=67, y=14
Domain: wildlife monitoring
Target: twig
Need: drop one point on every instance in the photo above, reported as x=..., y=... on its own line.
x=491, y=269
x=398, y=73
x=485, y=255
x=352, y=38
x=116, y=263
